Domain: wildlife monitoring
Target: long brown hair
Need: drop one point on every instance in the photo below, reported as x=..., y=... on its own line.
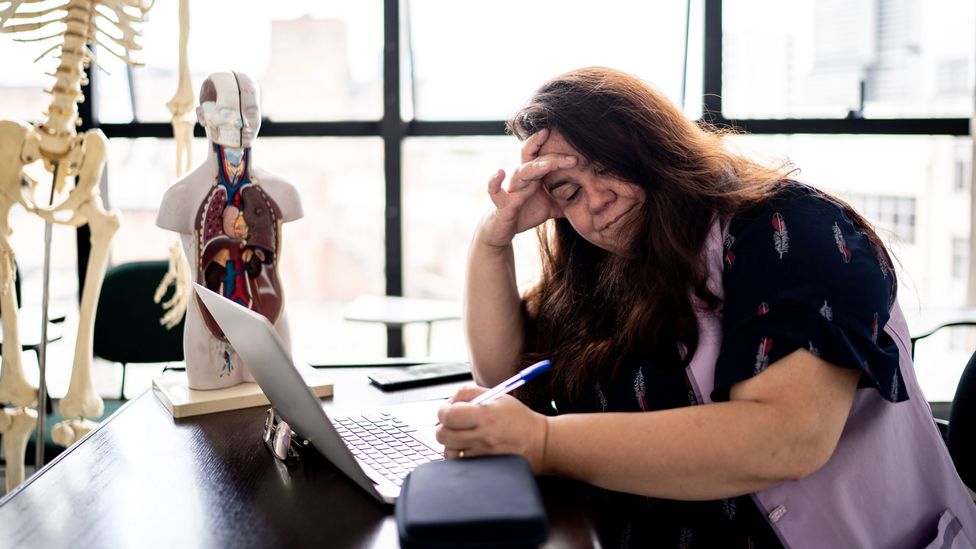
x=591, y=309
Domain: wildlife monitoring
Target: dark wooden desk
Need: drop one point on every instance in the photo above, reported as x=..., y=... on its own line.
x=142, y=479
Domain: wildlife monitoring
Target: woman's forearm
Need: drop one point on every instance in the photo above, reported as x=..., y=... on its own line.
x=779, y=425
x=696, y=453
x=492, y=316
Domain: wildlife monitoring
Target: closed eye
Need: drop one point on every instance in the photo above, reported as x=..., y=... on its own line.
x=566, y=192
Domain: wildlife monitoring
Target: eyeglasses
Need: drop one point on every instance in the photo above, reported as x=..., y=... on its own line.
x=280, y=439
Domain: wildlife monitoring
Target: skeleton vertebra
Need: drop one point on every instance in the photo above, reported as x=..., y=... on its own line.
x=66, y=154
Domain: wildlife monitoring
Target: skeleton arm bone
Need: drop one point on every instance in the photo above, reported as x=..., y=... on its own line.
x=182, y=101
x=178, y=275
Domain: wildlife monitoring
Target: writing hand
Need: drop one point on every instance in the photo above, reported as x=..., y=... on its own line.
x=501, y=426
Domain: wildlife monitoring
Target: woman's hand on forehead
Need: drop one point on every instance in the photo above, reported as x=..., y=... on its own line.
x=532, y=145
x=522, y=203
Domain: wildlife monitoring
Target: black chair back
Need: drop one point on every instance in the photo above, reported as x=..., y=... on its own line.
x=962, y=425
x=127, y=327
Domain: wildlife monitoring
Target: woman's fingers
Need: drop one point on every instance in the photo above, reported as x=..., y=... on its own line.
x=467, y=393
x=502, y=426
x=528, y=173
x=495, y=181
x=537, y=169
x=455, y=441
x=532, y=145
x=459, y=415
x=519, y=202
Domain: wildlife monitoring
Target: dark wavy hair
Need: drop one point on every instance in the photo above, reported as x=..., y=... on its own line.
x=592, y=309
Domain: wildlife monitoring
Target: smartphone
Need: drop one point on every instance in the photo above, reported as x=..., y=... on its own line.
x=393, y=379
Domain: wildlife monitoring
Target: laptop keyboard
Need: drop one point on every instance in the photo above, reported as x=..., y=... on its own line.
x=385, y=443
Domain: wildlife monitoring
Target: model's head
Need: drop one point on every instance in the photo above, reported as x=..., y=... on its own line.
x=230, y=109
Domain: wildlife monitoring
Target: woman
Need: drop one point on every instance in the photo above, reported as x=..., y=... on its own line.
x=737, y=330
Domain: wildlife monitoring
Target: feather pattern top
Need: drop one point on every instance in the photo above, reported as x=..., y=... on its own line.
x=781, y=238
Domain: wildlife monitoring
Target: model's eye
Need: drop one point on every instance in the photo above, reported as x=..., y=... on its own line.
x=601, y=170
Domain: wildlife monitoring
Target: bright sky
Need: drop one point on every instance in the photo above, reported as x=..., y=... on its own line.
x=504, y=47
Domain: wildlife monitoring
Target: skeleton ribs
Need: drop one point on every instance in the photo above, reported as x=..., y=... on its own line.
x=76, y=162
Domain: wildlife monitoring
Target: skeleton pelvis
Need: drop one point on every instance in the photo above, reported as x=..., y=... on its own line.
x=14, y=137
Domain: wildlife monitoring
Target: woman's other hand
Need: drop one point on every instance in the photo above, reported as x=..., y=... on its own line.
x=523, y=203
x=501, y=426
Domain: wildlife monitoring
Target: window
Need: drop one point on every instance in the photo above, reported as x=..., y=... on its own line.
x=828, y=58
x=481, y=60
x=336, y=75
x=952, y=76
x=960, y=258
x=892, y=214
x=445, y=198
x=901, y=184
x=963, y=172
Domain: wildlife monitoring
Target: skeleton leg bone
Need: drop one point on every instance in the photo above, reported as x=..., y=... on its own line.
x=16, y=424
x=81, y=399
x=14, y=387
x=70, y=431
x=17, y=147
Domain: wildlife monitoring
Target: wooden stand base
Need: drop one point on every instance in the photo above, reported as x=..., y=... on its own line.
x=181, y=401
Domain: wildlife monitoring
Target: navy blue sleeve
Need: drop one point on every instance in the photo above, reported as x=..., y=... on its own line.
x=800, y=273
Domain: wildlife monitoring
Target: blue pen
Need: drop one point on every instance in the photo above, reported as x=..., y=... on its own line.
x=513, y=382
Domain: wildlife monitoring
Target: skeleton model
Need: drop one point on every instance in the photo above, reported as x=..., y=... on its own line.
x=67, y=155
x=229, y=214
x=181, y=105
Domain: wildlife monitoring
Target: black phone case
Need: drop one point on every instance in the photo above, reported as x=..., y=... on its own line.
x=419, y=381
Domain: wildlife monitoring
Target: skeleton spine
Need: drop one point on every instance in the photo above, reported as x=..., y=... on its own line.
x=58, y=130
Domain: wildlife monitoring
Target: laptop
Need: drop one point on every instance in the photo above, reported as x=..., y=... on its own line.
x=376, y=449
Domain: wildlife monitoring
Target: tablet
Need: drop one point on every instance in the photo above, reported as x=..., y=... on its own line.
x=392, y=379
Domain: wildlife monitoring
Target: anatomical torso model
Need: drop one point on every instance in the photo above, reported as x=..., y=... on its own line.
x=229, y=214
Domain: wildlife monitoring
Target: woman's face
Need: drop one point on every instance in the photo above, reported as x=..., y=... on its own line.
x=599, y=206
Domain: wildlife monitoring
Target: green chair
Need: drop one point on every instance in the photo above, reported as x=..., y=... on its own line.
x=127, y=327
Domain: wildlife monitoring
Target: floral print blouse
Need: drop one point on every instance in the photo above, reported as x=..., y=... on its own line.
x=799, y=273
